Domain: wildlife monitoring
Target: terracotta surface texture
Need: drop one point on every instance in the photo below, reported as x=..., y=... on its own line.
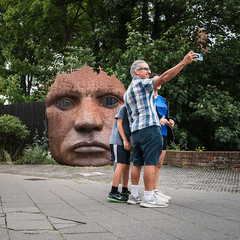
x=80, y=109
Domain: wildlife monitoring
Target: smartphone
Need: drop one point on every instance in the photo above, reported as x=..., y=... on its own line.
x=200, y=57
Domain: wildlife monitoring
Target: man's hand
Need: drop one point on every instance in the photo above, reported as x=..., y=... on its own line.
x=190, y=57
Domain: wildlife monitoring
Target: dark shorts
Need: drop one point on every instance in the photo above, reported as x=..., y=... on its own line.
x=165, y=142
x=119, y=154
x=147, y=146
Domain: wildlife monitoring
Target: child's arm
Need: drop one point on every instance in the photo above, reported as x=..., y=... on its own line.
x=121, y=131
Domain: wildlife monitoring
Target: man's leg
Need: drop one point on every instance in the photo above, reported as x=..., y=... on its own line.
x=150, y=199
x=135, y=174
x=149, y=177
x=134, y=198
x=151, y=147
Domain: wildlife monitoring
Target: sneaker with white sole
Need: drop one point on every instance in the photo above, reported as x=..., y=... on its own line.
x=162, y=199
x=153, y=202
x=134, y=200
x=160, y=194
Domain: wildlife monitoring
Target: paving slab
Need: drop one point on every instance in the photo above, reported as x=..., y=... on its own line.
x=66, y=203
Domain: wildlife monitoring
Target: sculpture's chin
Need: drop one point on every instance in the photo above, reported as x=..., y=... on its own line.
x=83, y=160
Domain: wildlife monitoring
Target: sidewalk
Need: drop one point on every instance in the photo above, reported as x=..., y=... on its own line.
x=67, y=203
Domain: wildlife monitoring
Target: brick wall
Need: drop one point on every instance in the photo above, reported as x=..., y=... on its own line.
x=206, y=159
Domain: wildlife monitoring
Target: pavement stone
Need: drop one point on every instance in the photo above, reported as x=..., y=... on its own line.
x=70, y=203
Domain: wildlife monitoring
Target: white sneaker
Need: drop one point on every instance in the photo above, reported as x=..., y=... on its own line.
x=161, y=195
x=153, y=202
x=134, y=200
x=161, y=198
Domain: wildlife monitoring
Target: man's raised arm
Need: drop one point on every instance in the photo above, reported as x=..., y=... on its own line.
x=172, y=72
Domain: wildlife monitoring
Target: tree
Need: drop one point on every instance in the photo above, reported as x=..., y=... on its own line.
x=33, y=35
x=39, y=38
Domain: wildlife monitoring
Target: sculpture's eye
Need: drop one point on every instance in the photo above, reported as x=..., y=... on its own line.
x=64, y=104
x=110, y=102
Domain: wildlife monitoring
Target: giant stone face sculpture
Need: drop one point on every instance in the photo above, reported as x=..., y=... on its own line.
x=80, y=109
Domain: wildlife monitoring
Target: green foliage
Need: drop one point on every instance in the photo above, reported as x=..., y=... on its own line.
x=176, y=147
x=38, y=152
x=5, y=157
x=35, y=154
x=160, y=54
x=219, y=114
x=43, y=142
x=200, y=149
x=12, y=134
x=40, y=38
x=77, y=57
x=12, y=129
x=11, y=90
x=33, y=34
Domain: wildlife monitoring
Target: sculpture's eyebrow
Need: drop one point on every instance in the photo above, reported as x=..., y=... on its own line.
x=57, y=93
x=106, y=91
x=67, y=92
x=61, y=91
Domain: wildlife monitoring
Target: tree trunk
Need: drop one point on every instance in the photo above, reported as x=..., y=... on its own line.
x=65, y=27
x=156, y=29
x=144, y=16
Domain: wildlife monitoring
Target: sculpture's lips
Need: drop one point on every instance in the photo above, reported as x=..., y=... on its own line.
x=85, y=147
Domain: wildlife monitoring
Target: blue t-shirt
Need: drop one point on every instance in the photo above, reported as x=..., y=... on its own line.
x=116, y=137
x=162, y=110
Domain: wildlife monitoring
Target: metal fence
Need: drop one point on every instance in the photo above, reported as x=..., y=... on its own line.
x=31, y=114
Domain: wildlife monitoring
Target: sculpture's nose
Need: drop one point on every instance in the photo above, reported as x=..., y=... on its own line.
x=89, y=116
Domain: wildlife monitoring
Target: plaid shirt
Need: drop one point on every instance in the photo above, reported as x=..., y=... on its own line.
x=140, y=104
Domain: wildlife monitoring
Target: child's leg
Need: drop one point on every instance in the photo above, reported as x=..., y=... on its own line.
x=125, y=176
x=118, y=174
x=114, y=195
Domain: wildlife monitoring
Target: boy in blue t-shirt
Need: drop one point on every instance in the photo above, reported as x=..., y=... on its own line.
x=120, y=153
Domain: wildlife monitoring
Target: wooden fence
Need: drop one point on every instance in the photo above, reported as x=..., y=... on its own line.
x=31, y=114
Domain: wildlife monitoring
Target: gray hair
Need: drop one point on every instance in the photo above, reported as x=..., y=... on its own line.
x=135, y=66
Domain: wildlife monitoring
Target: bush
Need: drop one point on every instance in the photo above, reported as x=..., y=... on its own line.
x=35, y=154
x=38, y=152
x=5, y=157
x=12, y=134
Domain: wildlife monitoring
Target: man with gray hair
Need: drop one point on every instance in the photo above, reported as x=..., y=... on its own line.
x=145, y=127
